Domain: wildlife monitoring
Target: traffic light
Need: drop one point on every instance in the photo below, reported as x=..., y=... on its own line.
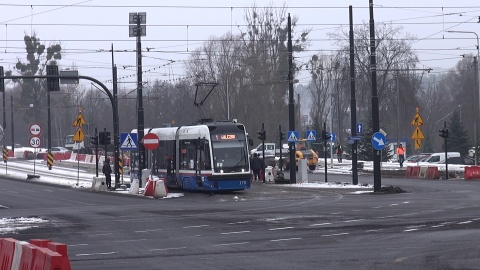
x=262, y=135
x=53, y=84
x=443, y=133
x=282, y=135
x=325, y=135
x=104, y=138
x=108, y=139
x=94, y=140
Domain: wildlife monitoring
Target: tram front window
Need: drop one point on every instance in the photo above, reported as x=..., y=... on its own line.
x=230, y=156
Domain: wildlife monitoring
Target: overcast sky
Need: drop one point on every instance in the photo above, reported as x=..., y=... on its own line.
x=87, y=29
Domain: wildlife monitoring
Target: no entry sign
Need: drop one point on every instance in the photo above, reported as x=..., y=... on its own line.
x=150, y=141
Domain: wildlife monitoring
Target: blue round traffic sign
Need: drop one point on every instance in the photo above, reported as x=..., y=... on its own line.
x=378, y=140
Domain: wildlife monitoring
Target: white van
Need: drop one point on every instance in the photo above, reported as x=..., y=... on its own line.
x=440, y=157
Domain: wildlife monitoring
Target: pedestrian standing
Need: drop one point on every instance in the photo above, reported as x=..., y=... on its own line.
x=339, y=152
x=107, y=170
x=256, y=166
x=401, y=154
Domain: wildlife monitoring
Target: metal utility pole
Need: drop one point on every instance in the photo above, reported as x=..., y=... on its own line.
x=353, y=102
x=4, y=127
x=377, y=176
x=138, y=29
x=11, y=124
x=291, y=105
x=115, y=125
x=476, y=95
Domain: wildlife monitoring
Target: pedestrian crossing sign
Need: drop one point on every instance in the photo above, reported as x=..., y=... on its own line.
x=292, y=136
x=129, y=141
x=311, y=135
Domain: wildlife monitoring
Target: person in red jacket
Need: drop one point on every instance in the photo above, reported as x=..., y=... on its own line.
x=401, y=155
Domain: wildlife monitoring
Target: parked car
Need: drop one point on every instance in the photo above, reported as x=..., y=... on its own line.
x=460, y=161
x=417, y=158
x=59, y=149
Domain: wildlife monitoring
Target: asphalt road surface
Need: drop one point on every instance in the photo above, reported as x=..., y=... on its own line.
x=433, y=225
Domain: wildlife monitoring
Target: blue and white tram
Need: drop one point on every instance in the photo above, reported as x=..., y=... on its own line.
x=212, y=156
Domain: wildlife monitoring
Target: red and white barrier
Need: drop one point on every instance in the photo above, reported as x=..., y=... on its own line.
x=7, y=251
x=39, y=254
x=471, y=172
x=156, y=188
x=432, y=172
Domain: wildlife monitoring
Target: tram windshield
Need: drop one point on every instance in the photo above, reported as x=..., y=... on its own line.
x=229, y=153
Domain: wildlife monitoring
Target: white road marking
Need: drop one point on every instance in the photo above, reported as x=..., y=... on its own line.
x=320, y=224
x=3, y=206
x=465, y=222
x=152, y=230
x=240, y=222
x=132, y=240
x=283, y=228
x=286, y=239
x=354, y=220
x=100, y=234
x=77, y=245
x=93, y=254
x=335, y=234
x=197, y=226
x=394, y=204
x=232, y=244
x=410, y=230
x=225, y=233
x=165, y=249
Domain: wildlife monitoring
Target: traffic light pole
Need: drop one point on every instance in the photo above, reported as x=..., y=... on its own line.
x=324, y=138
x=96, y=152
x=105, y=89
x=446, y=150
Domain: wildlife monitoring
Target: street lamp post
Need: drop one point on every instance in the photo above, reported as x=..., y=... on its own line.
x=475, y=96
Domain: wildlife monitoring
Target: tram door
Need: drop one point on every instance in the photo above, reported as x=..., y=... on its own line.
x=199, y=160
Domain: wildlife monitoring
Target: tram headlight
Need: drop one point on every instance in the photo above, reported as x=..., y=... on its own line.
x=221, y=171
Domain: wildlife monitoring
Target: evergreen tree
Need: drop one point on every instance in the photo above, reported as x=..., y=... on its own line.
x=457, y=135
x=428, y=144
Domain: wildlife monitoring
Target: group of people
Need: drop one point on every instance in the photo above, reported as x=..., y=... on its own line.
x=257, y=165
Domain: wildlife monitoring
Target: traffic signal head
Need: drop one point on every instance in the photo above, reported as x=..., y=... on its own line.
x=108, y=139
x=262, y=135
x=53, y=84
x=94, y=140
x=443, y=133
x=282, y=135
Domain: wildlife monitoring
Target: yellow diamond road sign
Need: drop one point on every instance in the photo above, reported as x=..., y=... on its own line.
x=79, y=135
x=417, y=120
x=79, y=121
x=418, y=134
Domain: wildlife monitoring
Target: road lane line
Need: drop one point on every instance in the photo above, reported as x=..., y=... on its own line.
x=77, y=245
x=240, y=222
x=196, y=226
x=465, y=222
x=166, y=249
x=410, y=230
x=232, y=244
x=225, y=233
x=283, y=228
x=354, y=220
x=285, y=239
x=320, y=224
x=132, y=240
x=335, y=234
x=3, y=206
x=152, y=230
x=93, y=254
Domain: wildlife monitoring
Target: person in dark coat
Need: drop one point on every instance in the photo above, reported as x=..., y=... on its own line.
x=107, y=170
x=257, y=166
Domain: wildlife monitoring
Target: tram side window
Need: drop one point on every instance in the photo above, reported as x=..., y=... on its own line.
x=166, y=155
x=187, y=154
